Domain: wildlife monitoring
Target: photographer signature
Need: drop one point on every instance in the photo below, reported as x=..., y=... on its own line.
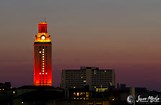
x=150, y=99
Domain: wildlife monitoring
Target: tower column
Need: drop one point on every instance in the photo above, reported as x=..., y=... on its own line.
x=42, y=57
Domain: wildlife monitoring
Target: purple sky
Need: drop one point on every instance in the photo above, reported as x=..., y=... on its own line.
x=119, y=34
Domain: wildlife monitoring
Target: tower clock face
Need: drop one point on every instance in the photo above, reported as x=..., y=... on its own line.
x=43, y=37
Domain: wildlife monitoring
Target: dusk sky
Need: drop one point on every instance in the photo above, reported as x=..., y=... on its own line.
x=121, y=34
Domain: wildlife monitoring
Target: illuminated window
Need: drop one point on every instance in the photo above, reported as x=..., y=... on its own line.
x=13, y=92
x=40, y=73
x=77, y=93
x=40, y=52
x=46, y=73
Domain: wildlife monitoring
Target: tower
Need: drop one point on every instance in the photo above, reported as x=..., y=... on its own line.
x=42, y=57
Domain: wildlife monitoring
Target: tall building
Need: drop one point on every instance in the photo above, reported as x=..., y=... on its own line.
x=93, y=77
x=42, y=57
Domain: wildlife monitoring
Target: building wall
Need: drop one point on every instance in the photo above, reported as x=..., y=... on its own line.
x=88, y=76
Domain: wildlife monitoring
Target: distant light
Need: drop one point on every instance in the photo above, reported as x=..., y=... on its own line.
x=14, y=92
x=77, y=93
x=40, y=73
x=40, y=52
x=46, y=73
x=74, y=87
x=22, y=102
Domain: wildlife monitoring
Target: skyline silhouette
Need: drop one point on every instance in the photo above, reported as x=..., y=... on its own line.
x=123, y=35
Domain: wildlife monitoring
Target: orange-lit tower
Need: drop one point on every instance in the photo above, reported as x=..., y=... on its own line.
x=42, y=57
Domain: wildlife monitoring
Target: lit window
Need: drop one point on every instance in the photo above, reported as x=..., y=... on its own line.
x=43, y=73
x=77, y=93
x=14, y=92
x=84, y=81
x=42, y=68
x=46, y=73
x=40, y=52
x=40, y=73
x=43, y=49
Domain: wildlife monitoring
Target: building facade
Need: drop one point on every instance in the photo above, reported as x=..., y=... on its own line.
x=42, y=57
x=91, y=77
